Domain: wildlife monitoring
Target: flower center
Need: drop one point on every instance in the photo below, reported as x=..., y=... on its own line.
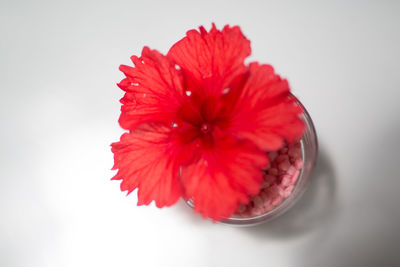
x=205, y=127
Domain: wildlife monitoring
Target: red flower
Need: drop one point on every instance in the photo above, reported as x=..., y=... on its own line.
x=200, y=122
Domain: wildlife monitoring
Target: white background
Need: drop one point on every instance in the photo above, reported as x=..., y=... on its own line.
x=59, y=109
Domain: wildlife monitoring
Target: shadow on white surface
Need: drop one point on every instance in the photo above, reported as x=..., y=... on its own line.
x=369, y=234
x=190, y=216
x=315, y=210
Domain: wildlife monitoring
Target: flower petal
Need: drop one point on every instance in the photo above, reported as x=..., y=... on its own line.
x=211, y=60
x=154, y=89
x=265, y=112
x=224, y=177
x=141, y=160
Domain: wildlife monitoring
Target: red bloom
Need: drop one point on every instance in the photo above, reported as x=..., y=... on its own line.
x=200, y=122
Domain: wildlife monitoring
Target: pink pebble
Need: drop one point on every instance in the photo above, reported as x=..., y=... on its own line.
x=286, y=180
x=269, y=179
x=294, y=152
x=268, y=207
x=273, y=171
x=283, y=151
x=294, y=145
x=273, y=190
x=257, y=211
x=264, y=196
x=265, y=185
x=292, y=169
x=284, y=165
x=281, y=172
x=258, y=203
x=281, y=190
x=277, y=200
x=281, y=158
x=295, y=177
x=287, y=191
x=299, y=163
x=266, y=199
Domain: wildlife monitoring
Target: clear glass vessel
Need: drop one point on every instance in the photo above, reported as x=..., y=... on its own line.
x=309, y=149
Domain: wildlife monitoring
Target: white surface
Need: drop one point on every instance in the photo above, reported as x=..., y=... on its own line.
x=59, y=109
